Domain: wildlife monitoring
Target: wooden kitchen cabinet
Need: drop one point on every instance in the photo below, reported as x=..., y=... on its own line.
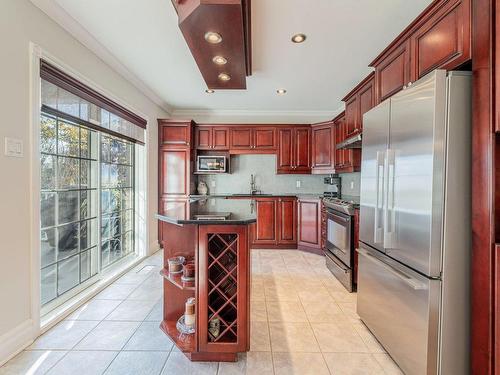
x=287, y=221
x=323, y=148
x=443, y=40
x=175, y=163
x=266, y=227
x=276, y=225
x=359, y=101
x=309, y=224
x=439, y=38
x=294, y=150
x=175, y=134
x=212, y=137
x=346, y=160
x=252, y=139
x=392, y=71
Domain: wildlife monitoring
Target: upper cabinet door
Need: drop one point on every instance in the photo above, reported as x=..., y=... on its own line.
x=174, y=170
x=285, y=151
x=392, y=72
x=323, y=148
x=203, y=138
x=366, y=99
x=302, y=158
x=443, y=41
x=241, y=138
x=175, y=134
x=220, y=138
x=264, y=138
x=351, y=115
x=339, y=137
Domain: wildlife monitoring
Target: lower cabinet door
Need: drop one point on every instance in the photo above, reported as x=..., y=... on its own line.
x=287, y=219
x=223, y=295
x=265, y=229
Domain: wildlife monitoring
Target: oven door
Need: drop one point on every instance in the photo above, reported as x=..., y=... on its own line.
x=339, y=236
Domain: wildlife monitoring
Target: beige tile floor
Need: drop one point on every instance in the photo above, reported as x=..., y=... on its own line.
x=303, y=322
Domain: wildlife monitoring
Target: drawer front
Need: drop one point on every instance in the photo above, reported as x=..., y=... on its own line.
x=401, y=308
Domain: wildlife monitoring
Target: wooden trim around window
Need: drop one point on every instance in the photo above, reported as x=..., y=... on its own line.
x=63, y=80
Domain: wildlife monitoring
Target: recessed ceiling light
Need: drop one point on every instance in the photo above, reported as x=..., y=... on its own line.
x=219, y=60
x=213, y=37
x=299, y=38
x=209, y=91
x=281, y=91
x=224, y=77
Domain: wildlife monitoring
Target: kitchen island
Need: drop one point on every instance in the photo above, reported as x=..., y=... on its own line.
x=213, y=233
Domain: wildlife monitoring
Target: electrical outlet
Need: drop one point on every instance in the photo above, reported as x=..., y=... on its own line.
x=352, y=184
x=298, y=183
x=212, y=183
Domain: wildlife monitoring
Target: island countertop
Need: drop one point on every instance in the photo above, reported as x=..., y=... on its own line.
x=210, y=210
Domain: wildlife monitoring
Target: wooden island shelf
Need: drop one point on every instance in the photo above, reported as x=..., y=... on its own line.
x=220, y=249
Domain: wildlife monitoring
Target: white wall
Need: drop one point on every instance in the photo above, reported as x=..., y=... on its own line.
x=20, y=24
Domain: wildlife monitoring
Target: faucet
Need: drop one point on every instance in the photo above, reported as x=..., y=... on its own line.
x=253, y=188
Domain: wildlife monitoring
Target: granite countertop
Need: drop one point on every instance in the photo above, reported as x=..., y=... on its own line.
x=264, y=195
x=201, y=210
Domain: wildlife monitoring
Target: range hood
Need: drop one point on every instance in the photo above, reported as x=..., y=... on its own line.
x=352, y=142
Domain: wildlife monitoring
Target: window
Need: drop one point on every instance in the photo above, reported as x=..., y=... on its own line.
x=87, y=159
x=68, y=235
x=117, y=203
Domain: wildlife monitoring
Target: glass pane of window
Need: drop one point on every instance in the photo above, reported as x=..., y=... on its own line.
x=68, y=274
x=85, y=264
x=124, y=173
x=88, y=237
x=48, y=135
x=48, y=246
x=88, y=204
x=127, y=197
x=67, y=240
x=68, y=103
x=49, y=94
x=47, y=172
x=48, y=287
x=69, y=171
x=69, y=139
x=68, y=206
x=48, y=210
x=128, y=220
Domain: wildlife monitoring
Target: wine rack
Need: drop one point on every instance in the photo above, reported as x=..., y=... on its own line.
x=222, y=287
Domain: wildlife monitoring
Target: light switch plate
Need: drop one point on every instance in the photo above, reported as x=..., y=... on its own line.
x=212, y=183
x=352, y=184
x=14, y=147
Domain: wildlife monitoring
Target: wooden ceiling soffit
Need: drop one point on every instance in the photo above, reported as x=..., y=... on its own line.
x=231, y=20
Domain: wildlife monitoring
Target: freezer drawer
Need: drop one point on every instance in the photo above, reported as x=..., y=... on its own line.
x=401, y=308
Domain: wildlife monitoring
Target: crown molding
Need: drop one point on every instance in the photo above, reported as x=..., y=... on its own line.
x=256, y=116
x=75, y=29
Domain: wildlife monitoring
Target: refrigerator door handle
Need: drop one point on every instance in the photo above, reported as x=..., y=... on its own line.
x=379, y=196
x=389, y=212
x=407, y=279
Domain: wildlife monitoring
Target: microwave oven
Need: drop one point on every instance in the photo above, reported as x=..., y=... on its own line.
x=211, y=164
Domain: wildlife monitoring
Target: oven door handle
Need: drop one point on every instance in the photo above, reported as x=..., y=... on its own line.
x=378, y=230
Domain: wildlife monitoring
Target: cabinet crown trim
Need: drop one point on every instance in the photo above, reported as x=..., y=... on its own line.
x=355, y=90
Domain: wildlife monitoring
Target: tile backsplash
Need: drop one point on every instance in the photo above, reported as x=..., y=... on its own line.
x=263, y=167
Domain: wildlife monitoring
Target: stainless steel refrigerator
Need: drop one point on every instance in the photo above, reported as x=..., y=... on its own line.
x=415, y=224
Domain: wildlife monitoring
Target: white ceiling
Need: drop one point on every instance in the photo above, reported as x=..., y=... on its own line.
x=343, y=36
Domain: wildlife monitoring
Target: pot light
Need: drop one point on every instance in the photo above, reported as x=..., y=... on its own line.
x=219, y=60
x=299, y=38
x=224, y=77
x=281, y=91
x=209, y=91
x=213, y=37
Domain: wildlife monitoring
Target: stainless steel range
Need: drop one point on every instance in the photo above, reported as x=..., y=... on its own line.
x=339, y=252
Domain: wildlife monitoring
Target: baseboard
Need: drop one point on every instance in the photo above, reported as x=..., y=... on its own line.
x=16, y=340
